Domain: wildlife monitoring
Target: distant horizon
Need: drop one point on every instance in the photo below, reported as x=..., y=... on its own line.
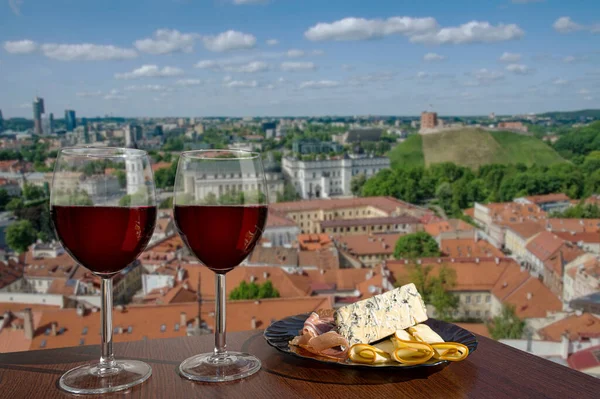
x=301, y=116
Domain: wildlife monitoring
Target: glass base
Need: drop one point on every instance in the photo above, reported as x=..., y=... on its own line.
x=229, y=366
x=92, y=379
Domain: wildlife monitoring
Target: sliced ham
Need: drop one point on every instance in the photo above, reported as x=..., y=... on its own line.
x=317, y=336
x=316, y=325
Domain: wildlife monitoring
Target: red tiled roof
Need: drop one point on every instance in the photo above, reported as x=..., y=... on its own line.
x=477, y=328
x=460, y=248
x=533, y=299
x=573, y=225
x=313, y=242
x=526, y=229
x=512, y=212
x=10, y=272
x=386, y=204
x=576, y=237
x=365, y=244
x=585, y=326
x=451, y=225
x=323, y=259
x=273, y=256
x=276, y=219
x=370, y=221
x=585, y=359
x=544, y=245
x=161, y=165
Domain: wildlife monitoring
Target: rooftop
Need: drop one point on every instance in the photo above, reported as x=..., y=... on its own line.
x=370, y=221
x=526, y=229
x=576, y=237
x=446, y=226
x=573, y=225
x=585, y=359
x=460, y=248
x=548, y=198
x=273, y=256
x=313, y=242
x=576, y=326
x=369, y=244
x=544, y=245
x=276, y=219
x=386, y=204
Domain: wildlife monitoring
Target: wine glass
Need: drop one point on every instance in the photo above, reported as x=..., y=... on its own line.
x=104, y=221
x=220, y=209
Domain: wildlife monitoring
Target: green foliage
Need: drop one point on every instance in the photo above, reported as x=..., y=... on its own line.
x=165, y=177
x=32, y=193
x=408, y=153
x=14, y=204
x=4, y=199
x=289, y=193
x=416, y=245
x=173, y=144
x=166, y=204
x=506, y=325
x=579, y=141
x=122, y=177
x=20, y=235
x=436, y=290
x=254, y=291
x=581, y=211
x=356, y=184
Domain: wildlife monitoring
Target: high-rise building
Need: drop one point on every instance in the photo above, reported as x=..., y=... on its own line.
x=70, y=121
x=51, y=123
x=429, y=120
x=38, y=111
x=1, y=121
x=133, y=133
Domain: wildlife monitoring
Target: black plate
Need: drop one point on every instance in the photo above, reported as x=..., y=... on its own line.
x=281, y=332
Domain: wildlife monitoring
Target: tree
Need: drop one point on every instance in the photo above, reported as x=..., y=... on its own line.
x=14, y=204
x=253, y=291
x=506, y=325
x=436, y=290
x=444, y=195
x=416, y=245
x=4, y=199
x=356, y=184
x=122, y=177
x=166, y=204
x=20, y=235
x=32, y=193
x=289, y=193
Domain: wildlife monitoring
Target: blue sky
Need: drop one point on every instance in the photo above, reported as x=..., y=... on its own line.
x=299, y=57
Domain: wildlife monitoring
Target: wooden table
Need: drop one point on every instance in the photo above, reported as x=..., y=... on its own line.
x=493, y=371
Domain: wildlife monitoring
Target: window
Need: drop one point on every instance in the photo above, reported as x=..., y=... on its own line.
x=163, y=328
x=488, y=299
x=85, y=330
x=487, y=313
x=467, y=313
x=82, y=341
x=176, y=326
x=478, y=299
x=43, y=343
x=468, y=299
x=478, y=313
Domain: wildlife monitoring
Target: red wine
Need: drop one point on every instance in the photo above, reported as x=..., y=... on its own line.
x=221, y=237
x=104, y=239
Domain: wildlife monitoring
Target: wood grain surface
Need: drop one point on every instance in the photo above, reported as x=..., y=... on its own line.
x=493, y=371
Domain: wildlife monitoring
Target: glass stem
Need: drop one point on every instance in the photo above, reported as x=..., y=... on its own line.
x=220, y=317
x=107, y=359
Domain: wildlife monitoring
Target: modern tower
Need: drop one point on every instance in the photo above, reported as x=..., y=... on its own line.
x=1, y=121
x=70, y=121
x=51, y=123
x=38, y=111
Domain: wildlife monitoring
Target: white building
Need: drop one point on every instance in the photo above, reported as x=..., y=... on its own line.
x=135, y=174
x=324, y=179
x=280, y=230
x=100, y=185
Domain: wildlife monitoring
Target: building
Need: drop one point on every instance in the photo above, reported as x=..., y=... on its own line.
x=429, y=120
x=314, y=146
x=133, y=134
x=1, y=122
x=472, y=247
x=548, y=203
x=517, y=235
x=100, y=185
x=371, y=225
x=586, y=361
x=51, y=123
x=308, y=215
x=581, y=278
x=330, y=178
x=518, y=126
x=135, y=175
x=370, y=249
x=70, y=120
x=449, y=229
x=573, y=225
x=12, y=187
x=280, y=231
x=354, y=136
x=38, y=111
x=589, y=242
x=544, y=249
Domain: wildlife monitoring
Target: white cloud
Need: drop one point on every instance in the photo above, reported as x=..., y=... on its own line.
x=319, y=84
x=567, y=25
x=249, y=2
x=230, y=40
x=295, y=53
x=166, y=41
x=150, y=71
x=583, y=91
x=24, y=106
x=21, y=47
x=298, y=66
x=227, y=78
x=272, y=42
x=484, y=76
x=242, y=84
x=233, y=66
x=519, y=69
x=270, y=86
x=569, y=59
x=88, y=94
x=589, y=98
x=363, y=29
x=471, y=32
x=527, y=1
x=15, y=6
x=188, y=82
x=318, y=52
x=115, y=94
x=422, y=75
x=347, y=67
x=251, y=67
x=373, y=77
x=560, y=82
x=86, y=52
x=146, y=88
x=433, y=57
x=510, y=57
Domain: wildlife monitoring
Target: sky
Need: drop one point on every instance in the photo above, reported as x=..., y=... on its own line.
x=195, y=58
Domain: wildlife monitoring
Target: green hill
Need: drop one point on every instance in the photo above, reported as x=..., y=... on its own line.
x=473, y=148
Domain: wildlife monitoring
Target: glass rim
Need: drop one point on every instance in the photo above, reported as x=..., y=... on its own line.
x=199, y=155
x=103, y=152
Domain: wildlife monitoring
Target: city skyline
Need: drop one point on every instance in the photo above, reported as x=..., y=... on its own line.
x=245, y=58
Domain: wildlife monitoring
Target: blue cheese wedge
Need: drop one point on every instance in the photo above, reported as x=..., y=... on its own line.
x=375, y=318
